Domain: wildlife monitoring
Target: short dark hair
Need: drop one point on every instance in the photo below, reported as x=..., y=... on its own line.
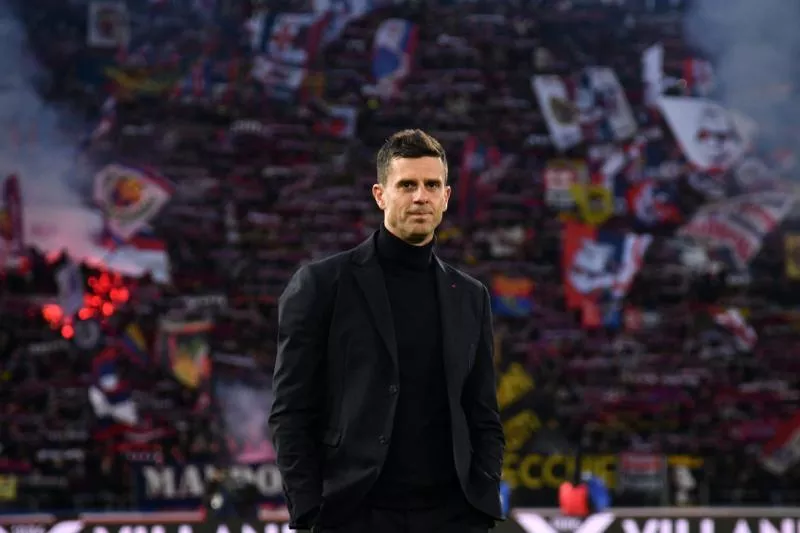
x=410, y=144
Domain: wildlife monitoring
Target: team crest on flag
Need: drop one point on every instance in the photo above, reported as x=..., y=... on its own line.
x=129, y=198
x=560, y=113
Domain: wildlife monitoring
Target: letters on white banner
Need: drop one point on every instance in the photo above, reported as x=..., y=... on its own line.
x=740, y=224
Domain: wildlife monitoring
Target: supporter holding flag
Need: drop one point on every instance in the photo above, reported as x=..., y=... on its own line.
x=110, y=396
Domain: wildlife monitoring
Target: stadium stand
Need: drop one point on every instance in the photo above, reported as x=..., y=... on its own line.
x=642, y=266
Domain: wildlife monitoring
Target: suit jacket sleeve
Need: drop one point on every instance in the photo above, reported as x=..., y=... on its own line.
x=483, y=416
x=298, y=386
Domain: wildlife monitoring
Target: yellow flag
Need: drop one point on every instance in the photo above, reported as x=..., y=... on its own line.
x=8, y=488
x=792, y=256
x=595, y=203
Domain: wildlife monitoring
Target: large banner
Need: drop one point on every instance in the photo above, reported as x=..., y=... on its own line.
x=738, y=226
x=599, y=267
x=609, y=105
x=560, y=113
x=709, y=135
x=130, y=198
x=164, y=486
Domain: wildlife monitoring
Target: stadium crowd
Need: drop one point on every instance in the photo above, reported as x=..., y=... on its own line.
x=269, y=163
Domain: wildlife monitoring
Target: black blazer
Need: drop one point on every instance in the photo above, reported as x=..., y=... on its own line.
x=335, y=379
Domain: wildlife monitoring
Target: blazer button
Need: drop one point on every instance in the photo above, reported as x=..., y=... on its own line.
x=393, y=389
x=382, y=439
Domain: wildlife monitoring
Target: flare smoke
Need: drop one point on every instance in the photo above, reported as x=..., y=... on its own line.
x=32, y=139
x=754, y=46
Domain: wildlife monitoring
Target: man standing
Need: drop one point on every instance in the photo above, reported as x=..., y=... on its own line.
x=385, y=413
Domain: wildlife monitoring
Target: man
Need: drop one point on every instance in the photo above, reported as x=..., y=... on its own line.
x=385, y=413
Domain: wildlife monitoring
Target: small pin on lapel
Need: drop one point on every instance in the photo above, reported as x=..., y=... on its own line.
x=453, y=286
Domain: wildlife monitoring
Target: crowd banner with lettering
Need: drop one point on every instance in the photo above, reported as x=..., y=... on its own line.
x=708, y=134
x=560, y=175
x=535, y=476
x=531, y=429
x=519, y=421
x=183, y=486
x=560, y=113
x=739, y=225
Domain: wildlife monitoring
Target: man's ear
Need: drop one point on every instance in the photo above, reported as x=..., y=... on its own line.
x=377, y=193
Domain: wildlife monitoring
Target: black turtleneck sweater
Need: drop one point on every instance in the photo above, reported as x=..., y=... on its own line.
x=419, y=470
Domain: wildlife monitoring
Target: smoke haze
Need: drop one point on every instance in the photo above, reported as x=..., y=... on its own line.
x=244, y=409
x=31, y=143
x=754, y=46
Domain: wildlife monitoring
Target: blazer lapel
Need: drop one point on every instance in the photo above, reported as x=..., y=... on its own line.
x=369, y=276
x=451, y=310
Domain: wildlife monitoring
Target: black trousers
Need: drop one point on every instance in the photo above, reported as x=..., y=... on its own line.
x=457, y=516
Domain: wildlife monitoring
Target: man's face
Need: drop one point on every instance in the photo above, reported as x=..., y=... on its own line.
x=413, y=199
